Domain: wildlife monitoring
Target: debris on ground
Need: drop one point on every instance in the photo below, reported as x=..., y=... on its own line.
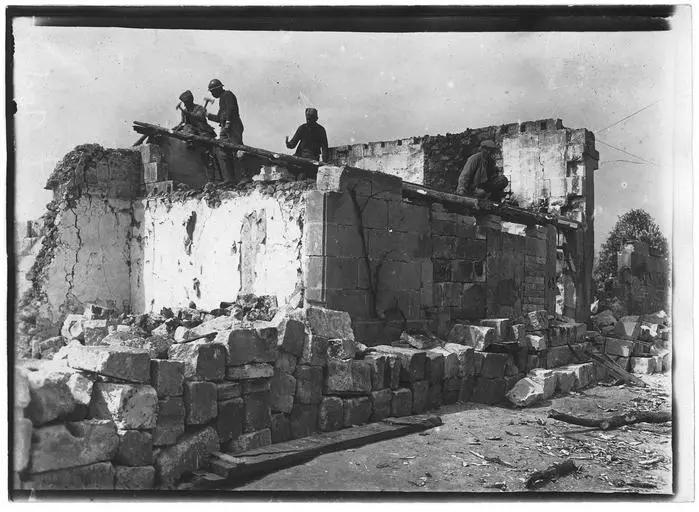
x=612, y=422
x=541, y=478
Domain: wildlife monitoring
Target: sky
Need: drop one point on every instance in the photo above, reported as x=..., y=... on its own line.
x=86, y=85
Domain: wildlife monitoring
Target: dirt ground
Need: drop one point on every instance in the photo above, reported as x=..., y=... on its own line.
x=460, y=456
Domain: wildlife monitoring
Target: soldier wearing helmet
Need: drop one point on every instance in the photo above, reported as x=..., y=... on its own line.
x=480, y=177
x=228, y=118
x=311, y=138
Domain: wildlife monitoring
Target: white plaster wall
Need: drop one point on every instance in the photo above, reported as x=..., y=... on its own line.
x=407, y=160
x=91, y=259
x=163, y=273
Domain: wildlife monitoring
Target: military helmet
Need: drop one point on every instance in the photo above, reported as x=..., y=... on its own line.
x=215, y=84
x=187, y=96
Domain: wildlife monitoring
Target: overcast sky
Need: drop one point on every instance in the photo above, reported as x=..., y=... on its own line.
x=82, y=85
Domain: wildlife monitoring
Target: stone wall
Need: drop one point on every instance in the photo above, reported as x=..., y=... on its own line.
x=642, y=279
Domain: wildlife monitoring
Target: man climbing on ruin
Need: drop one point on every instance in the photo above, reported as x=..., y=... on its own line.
x=480, y=178
x=228, y=118
x=193, y=117
x=311, y=138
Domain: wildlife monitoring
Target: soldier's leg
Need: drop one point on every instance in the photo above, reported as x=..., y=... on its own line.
x=230, y=174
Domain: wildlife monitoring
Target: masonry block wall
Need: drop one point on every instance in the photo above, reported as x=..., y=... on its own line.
x=642, y=279
x=394, y=265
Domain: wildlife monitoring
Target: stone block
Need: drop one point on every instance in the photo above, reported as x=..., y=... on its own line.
x=489, y=391
x=228, y=390
x=624, y=362
x=315, y=351
x=348, y=377
x=255, y=385
x=617, y=347
x=250, y=371
x=536, y=341
x=393, y=371
x=281, y=428
x=129, y=406
x=501, y=327
x=328, y=323
x=604, y=321
x=285, y=363
x=451, y=362
x=380, y=377
x=476, y=336
x=434, y=369
x=246, y=346
x=126, y=363
x=202, y=360
x=187, y=455
x=22, y=437
x=135, y=448
x=466, y=357
x=134, y=478
x=537, y=320
x=525, y=392
x=200, y=402
x=420, y=392
x=331, y=413
x=413, y=362
x=584, y=375
x=643, y=365
x=518, y=333
x=55, y=391
x=357, y=411
x=401, y=402
x=46, y=349
x=229, y=419
x=627, y=328
x=258, y=414
x=72, y=328
x=468, y=386
x=547, y=379
x=250, y=441
x=304, y=420
x=170, y=423
x=559, y=356
x=434, y=396
x=73, y=444
x=309, y=384
x=167, y=377
x=490, y=365
x=292, y=337
x=381, y=404
x=94, y=331
x=98, y=476
x=282, y=391
x=565, y=379
x=341, y=349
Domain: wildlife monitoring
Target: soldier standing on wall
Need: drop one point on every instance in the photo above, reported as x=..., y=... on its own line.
x=480, y=178
x=228, y=118
x=193, y=117
x=311, y=138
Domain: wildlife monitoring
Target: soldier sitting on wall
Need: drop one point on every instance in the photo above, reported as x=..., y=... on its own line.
x=193, y=117
x=311, y=138
x=480, y=178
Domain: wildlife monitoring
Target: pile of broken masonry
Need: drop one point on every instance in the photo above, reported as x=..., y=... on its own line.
x=141, y=401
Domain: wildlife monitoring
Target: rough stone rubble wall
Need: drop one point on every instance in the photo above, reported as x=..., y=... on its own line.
x=641, y=281
x=195, y=250
x=394, y=265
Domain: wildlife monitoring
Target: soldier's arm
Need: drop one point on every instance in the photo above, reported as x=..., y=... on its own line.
x=214, y=117
x=291, y=144
x=465, y=179
x=324, y=146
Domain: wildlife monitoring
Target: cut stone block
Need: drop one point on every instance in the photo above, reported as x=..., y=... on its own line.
x=200, y=402
x=251, y=441
x=623, y=362
x=420, y=390
x=228, y=390
x=129, y=406
x=537, y=342
x=627, y=328
x=413, y=362
x=331, y=414
x=285, y=363
x=46, y=349
x=202, y=360
x=255, y=385
x=73, y=444
x=135, y=448
x=22, y=437
x=490, y=365
x=258, y=414
x=434, y=396
x=98, y=476
x=617, y=347
x=245, y=346
x=134, y=478
x=518, y=333
x=489, y=391
x=501, y=327
x=380, y=377
x=281, y=428
x=584, y=375
x=167, y=377
x=229, y=420
x=604, y=321
x=304, y=420
x=282, y=391
x=649, y=332
x=189, y=454
x=526, y=392
x=547, y=379
x=451, y=362
x=401, y=402
x=73, y=327
x=309, y=384
x=560, y=356
x=468, y=386
x=328, y=323
x=643, y=365
x=466, y=357
x=55, y=391
x=341, y=349
x=94, y=331
x=381, y=404
x=537, y=320
x=434, y=370
x=292, y=337
x=130, y=364
x=418, y=341
x=22, y=394
x=565, y=379
x=250, y=371
x=393, y=371
x=315, y=351
x=476, y=336
x=170, y=423
x=357, y=411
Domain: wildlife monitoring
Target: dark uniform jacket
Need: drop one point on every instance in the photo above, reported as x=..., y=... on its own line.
x=228, y=111
x=312, y=141
x=478, y=169
x=194, y=122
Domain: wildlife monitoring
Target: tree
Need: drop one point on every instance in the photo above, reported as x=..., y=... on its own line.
x=636, y=224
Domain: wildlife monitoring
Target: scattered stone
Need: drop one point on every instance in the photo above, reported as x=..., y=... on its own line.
x=643, y=365
x=347, y=377
x=200, y=402
x=135, y=448
x=229, y=420
x=341, y=349
x=98, y=476
x=95, y=331
x=617, y=347
x=72, y=444
x=189, y=454
x=73, y=327
x=125, y=363
x=536, y=341
x=525, y=392
x=565, y=379
x=134, y=478
x=309, y=384
x=167, y=377
x=627, y=328
x=547, y=380
x=158, y=346
x=501, y=327
x=419, y=341
x=537, y=320
x=490, y=365
x=518, y=333
x=357, y=411
x=649, y=332
x=228, y=390
x=401, y=402
x=604, y=322
x=97, y=312
x=380, y=376
x=412, y=361
x=180, y=334
x=304, y=420
x=329, y=324
x=315, y=351
x=202, y=360
x=434, y=370
x=250, y=371
x=331, y=414
x=130, y=406
x=170, y=422
x=250, y=441
x=45, y=349
x=466, y=357
x=56, y=391
x=282, y=391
